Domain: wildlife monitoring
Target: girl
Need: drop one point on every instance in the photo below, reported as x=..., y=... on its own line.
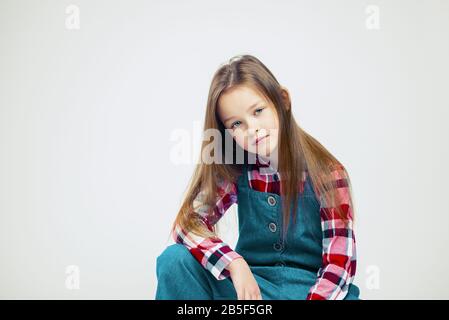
x=295, y=211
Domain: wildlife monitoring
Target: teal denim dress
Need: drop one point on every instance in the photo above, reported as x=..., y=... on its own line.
x=283, y=270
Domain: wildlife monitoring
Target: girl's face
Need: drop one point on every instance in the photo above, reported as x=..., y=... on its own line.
x=251, y=119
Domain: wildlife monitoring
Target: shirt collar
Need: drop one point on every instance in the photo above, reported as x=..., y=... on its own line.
x=262, y=163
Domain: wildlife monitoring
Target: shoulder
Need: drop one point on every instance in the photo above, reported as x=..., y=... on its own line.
x=338, y=175
x=225, y=186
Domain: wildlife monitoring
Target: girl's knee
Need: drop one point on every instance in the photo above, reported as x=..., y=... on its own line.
x=353, y=293
x=173, y=259
x=180, y=275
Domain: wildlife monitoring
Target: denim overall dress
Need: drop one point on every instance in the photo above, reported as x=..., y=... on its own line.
x=283, y=270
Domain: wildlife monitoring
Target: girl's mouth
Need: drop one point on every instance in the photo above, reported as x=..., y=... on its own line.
x=260, y=139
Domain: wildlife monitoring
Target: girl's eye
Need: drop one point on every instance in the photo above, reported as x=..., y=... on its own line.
x=257, y=110
x=233, y=125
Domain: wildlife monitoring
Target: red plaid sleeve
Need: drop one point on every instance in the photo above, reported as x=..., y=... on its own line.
x=212, y=253
x=339, y=250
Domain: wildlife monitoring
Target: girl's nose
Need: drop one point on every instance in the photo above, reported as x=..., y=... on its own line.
x=253, y=132
x=253, y=127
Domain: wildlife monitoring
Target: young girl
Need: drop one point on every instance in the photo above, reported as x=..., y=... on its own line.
x=295, y=212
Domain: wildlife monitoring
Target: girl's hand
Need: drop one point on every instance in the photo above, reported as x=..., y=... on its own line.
x=243, y=280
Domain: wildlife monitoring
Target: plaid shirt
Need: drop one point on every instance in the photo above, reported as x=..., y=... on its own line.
x=339, y=252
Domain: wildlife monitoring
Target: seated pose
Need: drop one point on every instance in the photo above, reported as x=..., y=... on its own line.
x=295, y=213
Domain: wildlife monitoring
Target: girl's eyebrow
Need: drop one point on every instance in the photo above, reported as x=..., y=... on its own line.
x=250, y=107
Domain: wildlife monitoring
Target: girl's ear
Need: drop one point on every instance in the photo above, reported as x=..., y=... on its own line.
x=286, y=97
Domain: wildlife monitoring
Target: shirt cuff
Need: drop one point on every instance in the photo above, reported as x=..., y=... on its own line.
x=219, y=261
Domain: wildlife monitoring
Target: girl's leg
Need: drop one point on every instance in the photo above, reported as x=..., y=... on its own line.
x=181, y=277
x=353, y=293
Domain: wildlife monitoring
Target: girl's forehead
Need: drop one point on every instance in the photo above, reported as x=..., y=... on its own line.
x=241, y=92
x=239, y=98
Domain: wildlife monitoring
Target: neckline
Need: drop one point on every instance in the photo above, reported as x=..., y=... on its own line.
x=245, y=174
x=245, y=183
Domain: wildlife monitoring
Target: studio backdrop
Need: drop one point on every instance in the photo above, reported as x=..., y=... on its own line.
x=97, y=96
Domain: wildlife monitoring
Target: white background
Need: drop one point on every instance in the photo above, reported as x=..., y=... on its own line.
x=86, y=116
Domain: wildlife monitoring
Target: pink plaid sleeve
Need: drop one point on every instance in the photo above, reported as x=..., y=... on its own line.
x=339, y=251
x=212, y=253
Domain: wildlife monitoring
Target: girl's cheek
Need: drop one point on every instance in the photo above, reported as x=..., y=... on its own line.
x=242, y=141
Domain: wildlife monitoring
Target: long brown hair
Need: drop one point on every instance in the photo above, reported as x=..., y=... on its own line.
x=298, y=152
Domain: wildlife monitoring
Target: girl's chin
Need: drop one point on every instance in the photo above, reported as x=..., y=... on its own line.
x=264, y=149
x=262, y=152
x=261, y=149
x=266, y=153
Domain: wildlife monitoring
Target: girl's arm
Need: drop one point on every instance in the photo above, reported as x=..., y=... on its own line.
x=339, y=251
x=212, y=253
